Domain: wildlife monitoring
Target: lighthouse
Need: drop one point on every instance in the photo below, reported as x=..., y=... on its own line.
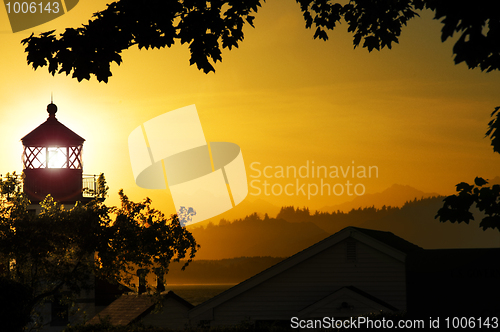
x=52, y=164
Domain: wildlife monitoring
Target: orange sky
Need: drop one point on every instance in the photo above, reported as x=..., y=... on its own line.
x=283, y=97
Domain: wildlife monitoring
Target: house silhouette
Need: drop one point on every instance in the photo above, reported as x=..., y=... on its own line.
x=354, y=272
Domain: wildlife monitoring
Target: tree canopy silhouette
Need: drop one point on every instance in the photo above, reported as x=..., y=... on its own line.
x=61, y=249
x=456, y=208
x=208, y=26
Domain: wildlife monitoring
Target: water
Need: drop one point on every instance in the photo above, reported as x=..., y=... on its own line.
x=196, y=294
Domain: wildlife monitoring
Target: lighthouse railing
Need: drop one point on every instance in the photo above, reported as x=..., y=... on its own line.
x=89, y=185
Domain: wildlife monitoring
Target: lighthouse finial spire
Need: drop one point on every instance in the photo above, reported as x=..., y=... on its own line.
x=51, y=108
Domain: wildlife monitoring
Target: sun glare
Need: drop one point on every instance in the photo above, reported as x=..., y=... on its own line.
x=56, y=157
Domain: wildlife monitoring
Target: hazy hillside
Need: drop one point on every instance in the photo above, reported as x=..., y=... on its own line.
x=223, y=271
x=245, y=208
x=495, y=180
x=415, y=222
x=296, y=229
x=335, y=221
x=253, y=236
x=396, y=195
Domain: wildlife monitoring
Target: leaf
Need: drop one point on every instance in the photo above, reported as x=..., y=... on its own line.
x=464, y=187
x=371, y=42
x=321, y=34
x=480, y=181
x=490, y=222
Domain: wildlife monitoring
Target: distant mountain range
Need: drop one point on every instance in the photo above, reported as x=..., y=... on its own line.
x=396, y=195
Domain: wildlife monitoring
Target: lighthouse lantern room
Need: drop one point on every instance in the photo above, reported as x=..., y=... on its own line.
x=52, y=160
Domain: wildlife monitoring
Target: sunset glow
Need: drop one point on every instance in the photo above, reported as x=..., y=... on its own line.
x=409, y=113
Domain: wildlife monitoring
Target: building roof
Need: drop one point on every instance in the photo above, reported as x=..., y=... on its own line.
x=350, y=292
x=371, y=297
x=131, y=307
x=390, y=239
x=52, y=132
x=385, y=242
x=125, y=310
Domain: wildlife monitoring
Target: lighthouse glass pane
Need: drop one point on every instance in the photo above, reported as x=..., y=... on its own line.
x=34, y=157
x=75, y=157
x=56, y=157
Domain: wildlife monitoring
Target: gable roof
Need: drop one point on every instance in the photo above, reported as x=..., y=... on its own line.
x=390, y=239
x=350, y=292
x=385, y=242
x=130, y=308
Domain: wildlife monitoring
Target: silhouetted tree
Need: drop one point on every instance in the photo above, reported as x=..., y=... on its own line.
x=15, y=310
x=63, y=249
x=287, y=213
x=208, y=26
x=457, y=207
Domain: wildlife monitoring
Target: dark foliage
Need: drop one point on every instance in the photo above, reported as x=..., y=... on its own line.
x=208, y=26
x=15, y=305
x=494, y=130
x=457, y=207
x=478, y=26
x=61, y=249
